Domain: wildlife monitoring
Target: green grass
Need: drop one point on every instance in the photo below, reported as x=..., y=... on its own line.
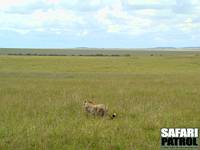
x=41, y=100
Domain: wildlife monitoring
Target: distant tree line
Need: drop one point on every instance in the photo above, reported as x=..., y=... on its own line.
x=36, y=54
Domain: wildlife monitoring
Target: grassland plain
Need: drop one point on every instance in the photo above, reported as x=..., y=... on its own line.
x=41, y=100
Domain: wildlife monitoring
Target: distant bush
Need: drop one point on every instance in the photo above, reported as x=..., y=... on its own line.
x=127, y=55
x=99, y=54
x=92, y=55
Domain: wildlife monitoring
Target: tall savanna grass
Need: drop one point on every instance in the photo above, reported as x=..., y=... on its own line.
x=41, y=100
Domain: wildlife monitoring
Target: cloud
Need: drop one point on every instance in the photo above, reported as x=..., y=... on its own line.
x=116, y=19
x=155, y=19
x=57, y=19
x=83, y=33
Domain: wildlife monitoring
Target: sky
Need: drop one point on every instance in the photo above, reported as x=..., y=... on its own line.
x=99, y=23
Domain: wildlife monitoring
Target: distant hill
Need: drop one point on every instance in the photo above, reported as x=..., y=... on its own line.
x=165, y=47
x=192, y=47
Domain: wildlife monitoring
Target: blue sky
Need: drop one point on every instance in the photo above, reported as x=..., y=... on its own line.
x=99, y=23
